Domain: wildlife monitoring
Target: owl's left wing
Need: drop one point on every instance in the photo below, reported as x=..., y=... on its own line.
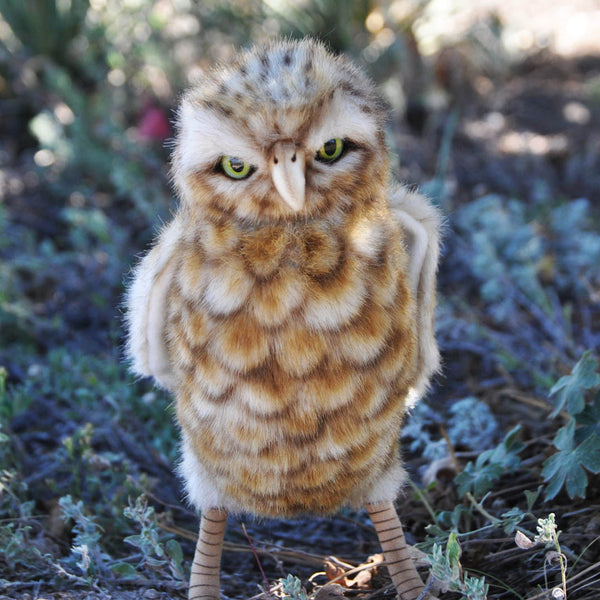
x=421, y=223
x=146, y=304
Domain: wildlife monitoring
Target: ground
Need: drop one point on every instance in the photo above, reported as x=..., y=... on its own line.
x=507, y=144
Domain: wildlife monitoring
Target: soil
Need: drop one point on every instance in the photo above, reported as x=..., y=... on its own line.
x=529, y=131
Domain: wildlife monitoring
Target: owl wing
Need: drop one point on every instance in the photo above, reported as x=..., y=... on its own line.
x=146, y=304
x=420, y=223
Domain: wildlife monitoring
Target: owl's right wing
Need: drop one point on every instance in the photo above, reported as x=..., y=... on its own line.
x=146, y=303
x=421, y=223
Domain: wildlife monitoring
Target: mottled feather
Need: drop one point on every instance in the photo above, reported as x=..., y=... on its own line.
x=291, y=311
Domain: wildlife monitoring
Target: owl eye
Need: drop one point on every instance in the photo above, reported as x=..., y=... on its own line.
x=235, y=167
x=330, y=151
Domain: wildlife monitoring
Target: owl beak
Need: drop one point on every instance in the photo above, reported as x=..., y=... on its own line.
x=288, y=174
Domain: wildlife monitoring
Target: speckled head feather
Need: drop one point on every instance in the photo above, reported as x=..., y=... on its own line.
x=283, y=76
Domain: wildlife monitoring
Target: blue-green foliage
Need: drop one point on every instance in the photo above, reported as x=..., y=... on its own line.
x=471, y=425
x=421, y=428
x=479, y=477
x=156, y=552
x=575, y=247
x=502, y=251
x=292, y=589
x=509, y=251
x=528, y=273
x=569, y=391
x=578, y=442
x=86, y=552
x=447, y=570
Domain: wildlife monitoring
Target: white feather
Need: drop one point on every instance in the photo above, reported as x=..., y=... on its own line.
x=146, y=309
x=200, y=488
x=205, y=136
x=421, y=224
x=342, y=118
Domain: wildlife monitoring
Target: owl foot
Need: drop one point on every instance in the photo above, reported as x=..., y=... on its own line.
x=397, y=559
x=204, y=579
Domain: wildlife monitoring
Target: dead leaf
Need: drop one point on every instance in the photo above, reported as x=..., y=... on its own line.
x=523, y=541
x=362, y=580
x=352, y=577
x=442, y=468
x=333, y=570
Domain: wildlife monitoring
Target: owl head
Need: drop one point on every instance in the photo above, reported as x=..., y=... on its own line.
x=284, y=131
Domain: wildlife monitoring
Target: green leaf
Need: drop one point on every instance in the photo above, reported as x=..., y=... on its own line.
x=566, y=467
x=475, y=588
x=590, y=453
x=565, y=437
x=134, y=540
x=479, y=478
x=453, y=550
x=174, y=551
x=588, y=420
x=154, y=562
x=569, y=390
x=124, y=570
x=506, y=453
x=532, y=497
x=511, y=519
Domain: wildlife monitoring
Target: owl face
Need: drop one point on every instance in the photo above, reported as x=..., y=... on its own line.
x=287, y=131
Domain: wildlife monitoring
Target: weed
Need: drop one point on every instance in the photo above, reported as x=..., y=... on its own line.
x=470, y=424
x=449, y=575
x=293, y=589
x=4, y=406
x=86, y=552
x=157, y=554
x=578, y=442
x=479, y=477
x=548, y=535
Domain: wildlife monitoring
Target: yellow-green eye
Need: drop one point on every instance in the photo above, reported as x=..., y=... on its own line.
x=330, y=150
x=236, y=168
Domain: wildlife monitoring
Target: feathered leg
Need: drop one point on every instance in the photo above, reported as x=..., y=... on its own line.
x=204, y=580
x=393, y=543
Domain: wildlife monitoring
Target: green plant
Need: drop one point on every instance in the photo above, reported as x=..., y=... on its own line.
x=471, y=424
x=577, y=442
x=78, y=450
x=292, y=589
x=45, y=26
x=548, y=534
x=157, y=553
x=447, y=570
x=341, y=24
x=479, y=477
x=575, y=247
x=504, y=252
x=86, y=552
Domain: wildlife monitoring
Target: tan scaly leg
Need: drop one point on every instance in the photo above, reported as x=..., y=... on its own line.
x=399, y=563
x=204, y=580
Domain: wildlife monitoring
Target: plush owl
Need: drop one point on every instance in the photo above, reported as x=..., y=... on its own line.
x=288, y=306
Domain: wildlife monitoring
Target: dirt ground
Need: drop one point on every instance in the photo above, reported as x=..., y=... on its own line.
x=529, y=131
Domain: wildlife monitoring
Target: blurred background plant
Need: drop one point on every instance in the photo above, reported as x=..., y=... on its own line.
x=495, y=113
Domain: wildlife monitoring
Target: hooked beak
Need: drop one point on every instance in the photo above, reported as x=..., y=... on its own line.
x=288, y=174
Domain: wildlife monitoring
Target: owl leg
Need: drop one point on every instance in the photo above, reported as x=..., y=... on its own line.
x=393, y=543
x=204, y=580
